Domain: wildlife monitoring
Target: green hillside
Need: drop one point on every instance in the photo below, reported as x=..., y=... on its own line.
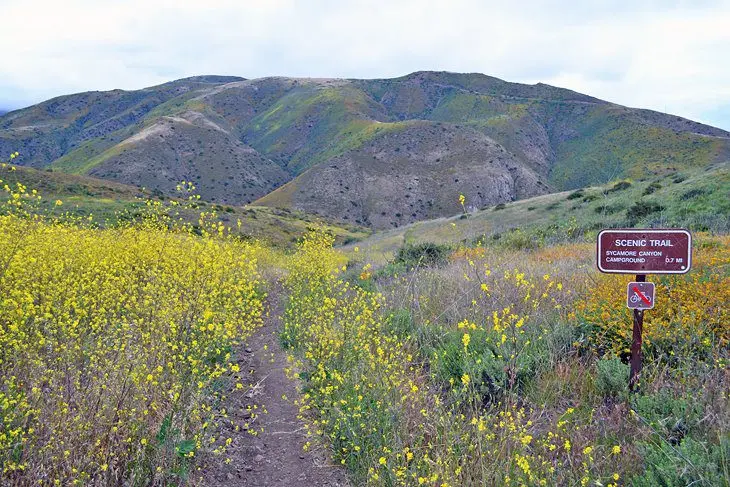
x=108, y=202
x=695, y=198
x=419, y=140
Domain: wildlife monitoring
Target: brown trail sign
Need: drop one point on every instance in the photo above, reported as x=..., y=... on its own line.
x=644, y=251
x=641, y=252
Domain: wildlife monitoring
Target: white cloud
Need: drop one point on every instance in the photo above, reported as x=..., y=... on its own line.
x=671, y=56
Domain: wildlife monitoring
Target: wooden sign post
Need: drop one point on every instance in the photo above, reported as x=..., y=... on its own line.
x=641, y=252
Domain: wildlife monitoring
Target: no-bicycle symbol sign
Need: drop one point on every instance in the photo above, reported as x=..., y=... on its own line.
x=644, y=251
x=640, y=295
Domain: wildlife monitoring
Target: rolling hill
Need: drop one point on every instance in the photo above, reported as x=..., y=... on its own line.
x=110, y=202
x=696, y=199
x=381, y=153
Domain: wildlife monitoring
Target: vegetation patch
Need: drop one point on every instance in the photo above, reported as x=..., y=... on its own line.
x=610, y=209
x=145, y=341
x=422, y=255
x=642, y=209
x=576, y=195
x=652, y=188
x=692, y=194
x=478, y=349
x=619, y=186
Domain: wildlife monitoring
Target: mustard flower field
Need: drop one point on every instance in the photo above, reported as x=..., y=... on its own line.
x=111, y=343
x=504, y=368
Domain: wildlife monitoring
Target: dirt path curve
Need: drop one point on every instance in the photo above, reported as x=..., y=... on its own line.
x=274, y=457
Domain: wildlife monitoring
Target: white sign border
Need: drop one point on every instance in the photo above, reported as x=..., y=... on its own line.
x=647, y=230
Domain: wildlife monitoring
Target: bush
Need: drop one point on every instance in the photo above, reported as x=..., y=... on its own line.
x=575, y=195
x=423, y=254
x=518, y=239
x=620, y=186
x=391, y=269
x=611, y=378
x=488, y=371
x=400, y=322
x=691, y=463
x=350, y=239
x=609, y=209
x=670, y=415
x=642, y=209
x=651, y=188
x=692, y=194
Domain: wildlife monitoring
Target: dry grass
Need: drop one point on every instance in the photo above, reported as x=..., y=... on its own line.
x=506, y=377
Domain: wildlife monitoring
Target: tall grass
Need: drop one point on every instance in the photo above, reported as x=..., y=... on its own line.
x=115, y=346
x=494, y=370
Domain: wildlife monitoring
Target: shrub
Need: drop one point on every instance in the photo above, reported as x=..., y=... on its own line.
x=483, y=364
x=519, y=239
x=611, y=377
x=692, y=193
x=671, y=415
x=651, y=188
x=620, y=186
x=392, y=269
x=609, y=209
x=422, y=254
x=400, y=322
x=350, y=239
x=641, y=209
x=575, y=195
x=691, y=463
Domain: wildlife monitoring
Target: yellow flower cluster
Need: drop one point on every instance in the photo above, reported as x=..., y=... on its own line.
x=369, y=392
x=109, y=343
x=691, y=313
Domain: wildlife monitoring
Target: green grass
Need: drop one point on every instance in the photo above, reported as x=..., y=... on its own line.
x=697, y=200
x=79, y=162
x=95, y=151
x=610, y=146
x=335, y=124
x=108, y=202
x=459, y=106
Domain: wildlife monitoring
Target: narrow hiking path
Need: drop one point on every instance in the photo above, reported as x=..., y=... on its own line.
x=274, y=457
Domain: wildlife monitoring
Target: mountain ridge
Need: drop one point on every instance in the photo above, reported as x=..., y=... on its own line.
x=418, y=141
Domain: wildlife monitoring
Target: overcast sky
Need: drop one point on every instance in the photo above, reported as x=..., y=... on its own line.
x=666, y=55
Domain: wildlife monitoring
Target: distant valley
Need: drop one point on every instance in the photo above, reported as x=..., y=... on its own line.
x=381, y=153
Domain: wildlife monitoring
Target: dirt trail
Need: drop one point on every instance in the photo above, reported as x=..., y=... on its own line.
x=274, y=457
